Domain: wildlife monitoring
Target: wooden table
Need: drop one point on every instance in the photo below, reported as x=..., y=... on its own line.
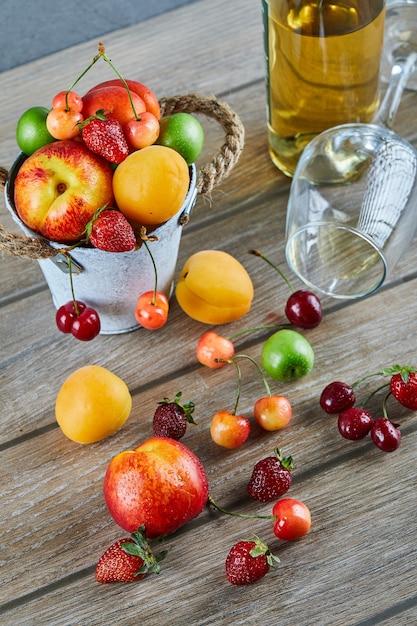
x=357, y=564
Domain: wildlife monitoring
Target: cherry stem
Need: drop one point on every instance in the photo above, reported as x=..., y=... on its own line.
x=145, y=243
x=239, y=383
x=371, y=395
x=360, y=380
x=255, y=328
x=276, y=268
x=102, y=54
x=246, y=516
x=69, y=263
x=384, y=405
x=261, y=374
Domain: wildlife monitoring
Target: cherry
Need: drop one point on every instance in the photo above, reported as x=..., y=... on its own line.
x=152, y=309
x=67, y=100
x=272, y=412
x=337, y=397
x=152, y=306
x=81, y=321
x=303, y=308
x=229, y=430
x=142, y=132
x=213, y=350
x=385, y=434
x=354, y=423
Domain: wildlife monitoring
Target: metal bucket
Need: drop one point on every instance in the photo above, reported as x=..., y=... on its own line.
x=107, y=281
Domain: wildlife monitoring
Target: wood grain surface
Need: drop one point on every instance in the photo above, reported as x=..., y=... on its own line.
x=356, y=567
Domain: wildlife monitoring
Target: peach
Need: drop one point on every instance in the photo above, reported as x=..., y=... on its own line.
x=114, y=100
x=59, y=188
x=147, y=95
x=214, y=287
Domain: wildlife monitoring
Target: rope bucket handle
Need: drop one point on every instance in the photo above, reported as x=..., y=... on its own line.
x=208, y=177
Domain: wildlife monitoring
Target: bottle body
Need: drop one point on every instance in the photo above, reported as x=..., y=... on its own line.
x=323, y=64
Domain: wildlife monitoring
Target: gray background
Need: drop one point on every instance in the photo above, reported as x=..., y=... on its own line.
x=30, y=29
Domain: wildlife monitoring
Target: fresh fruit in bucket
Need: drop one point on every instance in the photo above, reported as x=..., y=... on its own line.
x=214, y=288
x=161, y=484
x=92, y=404
x=59, y=187
x=151, y=184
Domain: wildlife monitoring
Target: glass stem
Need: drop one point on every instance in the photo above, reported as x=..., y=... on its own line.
x=400, y=73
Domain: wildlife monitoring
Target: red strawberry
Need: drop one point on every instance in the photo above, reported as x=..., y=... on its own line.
x=403, y=385
x=105, y=137
x=128, y=559
x=248, y=561
x=171, y=417
x=271, y=477
x=109, y=230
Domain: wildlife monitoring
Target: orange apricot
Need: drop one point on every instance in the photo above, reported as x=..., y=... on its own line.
x=92, y=404
x=151, y=184
x=214, y=288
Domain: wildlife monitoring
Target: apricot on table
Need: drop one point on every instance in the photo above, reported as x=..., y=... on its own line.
x=92, y=404
x=214, y=288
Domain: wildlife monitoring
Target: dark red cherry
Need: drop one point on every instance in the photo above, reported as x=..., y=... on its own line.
x=83, y=324
x=337, y=397
x=354, y=423
x=385, y=434
x=66, y=315
x=303, y=309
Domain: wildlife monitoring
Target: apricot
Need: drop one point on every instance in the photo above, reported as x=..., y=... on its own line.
x=151, y=184
x=92, y=404
x=115, y=103
x=214, y=287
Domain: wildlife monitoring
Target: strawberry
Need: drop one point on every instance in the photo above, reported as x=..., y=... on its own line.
x=105, y=137
x=248, y=561
x=403, y=385
x=171, y=417
x=110, y=231
x=128, y=559
x=271, y=477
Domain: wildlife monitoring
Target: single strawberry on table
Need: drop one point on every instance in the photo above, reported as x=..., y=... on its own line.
x=271, y=477
x=171, y=417
x=128, y=559
x=248, y=561
x=105, y=136
x=110, y=231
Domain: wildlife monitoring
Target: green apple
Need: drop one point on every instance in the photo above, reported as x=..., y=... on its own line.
x=287, y=355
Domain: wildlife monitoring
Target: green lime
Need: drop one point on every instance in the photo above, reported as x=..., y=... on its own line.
x=182, y=132
x=31, y=131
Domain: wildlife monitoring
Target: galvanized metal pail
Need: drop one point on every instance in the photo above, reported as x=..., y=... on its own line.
x=111, y=282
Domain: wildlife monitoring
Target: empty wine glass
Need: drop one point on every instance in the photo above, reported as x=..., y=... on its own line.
x=352, y=205
x=400, y=37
